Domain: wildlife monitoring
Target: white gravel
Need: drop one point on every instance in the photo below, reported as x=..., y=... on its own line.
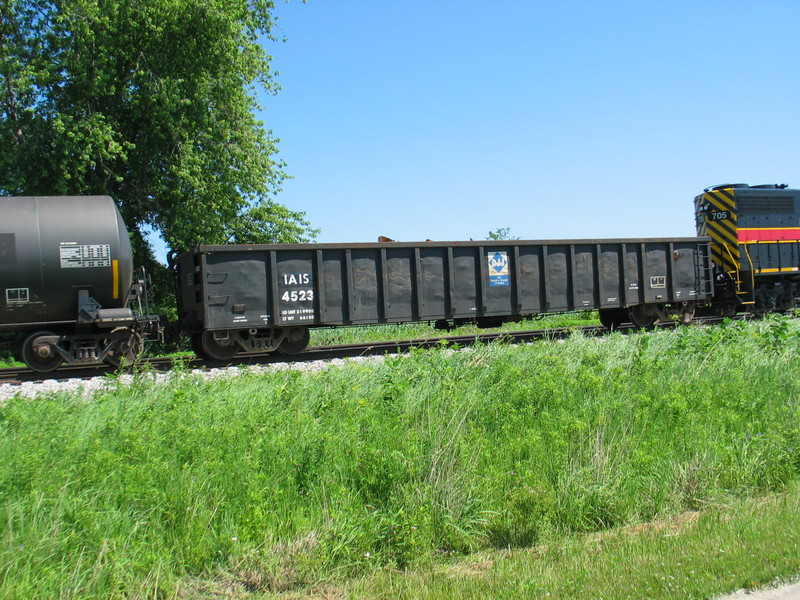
x=87, y=387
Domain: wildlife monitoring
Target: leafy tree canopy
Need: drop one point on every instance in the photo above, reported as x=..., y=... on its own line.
x=151, y=102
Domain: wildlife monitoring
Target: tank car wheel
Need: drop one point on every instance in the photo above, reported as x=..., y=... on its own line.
x=642, y=317
x=296, y=340
x=125, y=351
x=214, y=349
x=39, y=354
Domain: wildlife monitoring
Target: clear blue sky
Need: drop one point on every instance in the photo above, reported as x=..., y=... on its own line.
x=445, y=119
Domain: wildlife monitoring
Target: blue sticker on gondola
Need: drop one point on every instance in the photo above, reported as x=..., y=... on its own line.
x=498, y=268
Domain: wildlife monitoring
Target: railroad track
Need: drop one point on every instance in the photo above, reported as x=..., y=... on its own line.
x=315, y=353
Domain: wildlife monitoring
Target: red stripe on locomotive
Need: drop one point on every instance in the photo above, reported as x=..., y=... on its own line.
x=769, y=234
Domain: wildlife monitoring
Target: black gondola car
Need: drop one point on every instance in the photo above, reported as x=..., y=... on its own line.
x=266, y=297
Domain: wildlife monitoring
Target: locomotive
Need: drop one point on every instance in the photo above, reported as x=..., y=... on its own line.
x=755, y=245
x=68, y=295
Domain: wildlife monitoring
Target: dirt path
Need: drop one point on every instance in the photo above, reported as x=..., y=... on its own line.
x=784, y=592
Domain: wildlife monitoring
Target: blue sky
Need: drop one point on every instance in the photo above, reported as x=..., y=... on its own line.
x=445, y=119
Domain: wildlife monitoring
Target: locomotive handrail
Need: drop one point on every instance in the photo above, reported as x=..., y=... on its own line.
x=752, y=268
x=735, y=263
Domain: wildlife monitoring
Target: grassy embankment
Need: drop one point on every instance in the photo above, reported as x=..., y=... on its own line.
x=290, y=481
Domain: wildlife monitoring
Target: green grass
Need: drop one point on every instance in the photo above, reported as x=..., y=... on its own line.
x=746, y=544
x=268, y=483
x=6, y=358
x=410, y=331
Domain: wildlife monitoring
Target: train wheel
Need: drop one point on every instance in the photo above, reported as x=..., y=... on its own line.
x=642, y=317
x=224, y=349
x=197, y=345
x=127, y=348
x=296, y=340
x=612, y=318
x=39, y=352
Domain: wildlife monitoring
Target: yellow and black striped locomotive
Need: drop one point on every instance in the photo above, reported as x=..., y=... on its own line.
x=755, y=245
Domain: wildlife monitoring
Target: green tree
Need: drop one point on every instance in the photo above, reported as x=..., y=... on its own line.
x=151, y=102
x=501, y=233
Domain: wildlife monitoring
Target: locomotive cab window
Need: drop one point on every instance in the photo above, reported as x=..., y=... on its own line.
x=8, y=249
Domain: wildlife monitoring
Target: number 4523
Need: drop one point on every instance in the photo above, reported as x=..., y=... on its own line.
x=298, y=296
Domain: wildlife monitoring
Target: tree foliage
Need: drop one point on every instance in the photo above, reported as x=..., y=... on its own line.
x=151, y=102
x=501, y=233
